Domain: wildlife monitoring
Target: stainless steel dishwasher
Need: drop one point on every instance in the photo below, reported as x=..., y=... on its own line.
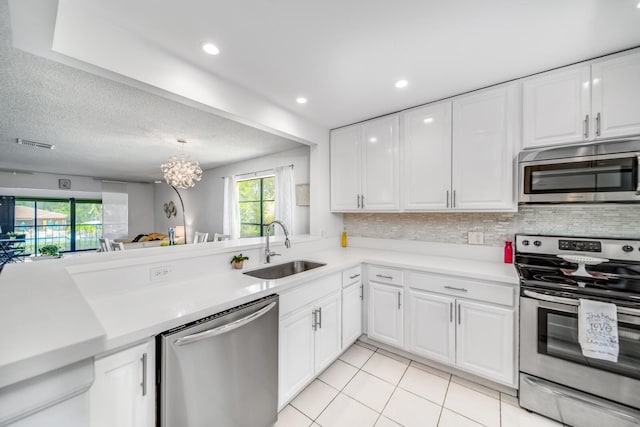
x=222, y=370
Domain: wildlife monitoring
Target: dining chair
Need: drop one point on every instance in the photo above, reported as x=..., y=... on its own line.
x=117, y=246
x=199, y=237
x=105, y=244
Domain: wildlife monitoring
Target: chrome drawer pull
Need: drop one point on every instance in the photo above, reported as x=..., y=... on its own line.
x=456, y=289
x=354, y=276
x=384, y=277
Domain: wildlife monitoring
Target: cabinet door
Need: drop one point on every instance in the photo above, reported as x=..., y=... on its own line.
x=351, y=314
x=616, y=96
x=426, y=157
x=483, y=149
x=328, y=342
x=295, y=357
x=380, y=174
x=385, y=313
x=432, y=327
x=345, y=169
x=123, y=393
x=485, y=341
x=555, y=107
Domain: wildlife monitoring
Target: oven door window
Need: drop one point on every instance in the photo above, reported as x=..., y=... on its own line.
x=558, y=337
x=607, y=175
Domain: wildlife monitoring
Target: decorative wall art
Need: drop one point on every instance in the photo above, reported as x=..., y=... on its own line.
x=302, y=195
x=170, y=209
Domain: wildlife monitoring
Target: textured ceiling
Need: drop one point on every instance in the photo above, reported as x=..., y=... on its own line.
x=344, y=56
x=105, y=129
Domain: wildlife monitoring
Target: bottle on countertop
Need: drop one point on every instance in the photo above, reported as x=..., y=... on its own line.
x=508, y=252
x=344, y=239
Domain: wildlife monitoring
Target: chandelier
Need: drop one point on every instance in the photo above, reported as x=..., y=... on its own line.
x=180, y=171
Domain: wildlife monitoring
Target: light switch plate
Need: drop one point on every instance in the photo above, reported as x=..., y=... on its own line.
x=475, y=238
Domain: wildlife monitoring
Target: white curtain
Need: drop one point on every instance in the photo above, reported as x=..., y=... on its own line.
x=231, y=214
x=284, y=198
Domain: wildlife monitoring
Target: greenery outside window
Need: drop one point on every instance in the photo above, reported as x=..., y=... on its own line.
x=70, y=224
x=256, y=199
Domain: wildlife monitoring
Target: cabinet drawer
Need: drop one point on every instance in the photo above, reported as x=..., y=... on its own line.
x=462, y=288
x=352, y=275
x=306, y=293
x=384, y=275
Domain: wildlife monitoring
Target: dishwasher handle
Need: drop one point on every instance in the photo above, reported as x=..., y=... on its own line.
x=225, y=328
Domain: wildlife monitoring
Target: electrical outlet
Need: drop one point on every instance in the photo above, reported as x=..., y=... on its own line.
x=475, y=238
x=159, y=273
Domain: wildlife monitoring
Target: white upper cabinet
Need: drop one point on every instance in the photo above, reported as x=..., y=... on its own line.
x=616, y=96
x=593, y=101
x=484, y=138
x=380, y=165
x=365, y=166
x=345, y=169
x=426, y=157
x=556, y=107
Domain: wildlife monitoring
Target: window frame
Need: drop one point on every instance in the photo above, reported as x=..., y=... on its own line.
x=261, y=201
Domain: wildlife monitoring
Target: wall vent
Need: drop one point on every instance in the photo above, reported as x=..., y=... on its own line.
x=35, y=144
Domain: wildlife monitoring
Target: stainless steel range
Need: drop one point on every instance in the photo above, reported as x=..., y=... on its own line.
x=556, y=379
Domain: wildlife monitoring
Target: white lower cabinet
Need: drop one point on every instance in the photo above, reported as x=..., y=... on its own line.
x=486, y=340
x=123, y=393
x=310, y=335
x=386, y=313
x=351, y=313
x=432, y=327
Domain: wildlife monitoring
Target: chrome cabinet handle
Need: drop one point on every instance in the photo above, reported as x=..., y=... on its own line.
x=314, y=320
x=447, y=198
x=225, y=328
x=585, y=127
x=384, y=277
x=362, y=292
x=399, y=300
x=453, y=203
x=459, y=315
x=320, y=317
x=451, y=312
x=362, y=197
x=143, y=384
x=358, y=201
x=598, y=124
x=456, y=289
x=354, y=276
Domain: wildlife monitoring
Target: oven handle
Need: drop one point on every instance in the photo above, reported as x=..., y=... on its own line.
x=574, y=302
x=638, y=166
x=561, y=394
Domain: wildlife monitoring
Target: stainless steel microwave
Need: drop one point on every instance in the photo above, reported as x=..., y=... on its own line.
x=603, y=172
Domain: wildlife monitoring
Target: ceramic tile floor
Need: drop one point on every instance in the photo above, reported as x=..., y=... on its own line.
x=371, y=387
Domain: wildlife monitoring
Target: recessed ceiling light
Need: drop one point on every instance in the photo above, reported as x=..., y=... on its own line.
x=428, y=120
x=401, y=83
x=373, y=139
x=301, y=100
x=210, y=48
x=638, y=6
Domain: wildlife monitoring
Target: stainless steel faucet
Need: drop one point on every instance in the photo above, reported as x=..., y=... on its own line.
x=287, y=243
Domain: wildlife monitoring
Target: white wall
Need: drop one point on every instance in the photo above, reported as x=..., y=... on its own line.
x=204, y=202
x=141, y=196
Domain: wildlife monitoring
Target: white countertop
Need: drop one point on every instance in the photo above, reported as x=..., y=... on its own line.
x=56, y=312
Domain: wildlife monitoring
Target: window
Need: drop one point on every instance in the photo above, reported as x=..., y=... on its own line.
x=70, y=224
x=256, y=199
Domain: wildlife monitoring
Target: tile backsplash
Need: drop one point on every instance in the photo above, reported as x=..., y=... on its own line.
x=603, y=220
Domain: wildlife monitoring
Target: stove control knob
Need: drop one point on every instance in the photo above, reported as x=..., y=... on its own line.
x=627, y=248
x=525, y=242
x=537, y=243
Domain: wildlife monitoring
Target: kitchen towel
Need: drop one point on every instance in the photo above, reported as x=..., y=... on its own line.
x=598, y=330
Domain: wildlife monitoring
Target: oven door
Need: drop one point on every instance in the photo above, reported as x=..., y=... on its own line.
x=549, y=349
x=598, y=178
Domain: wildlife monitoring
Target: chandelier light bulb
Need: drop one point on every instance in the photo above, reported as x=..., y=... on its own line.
x=181, y=172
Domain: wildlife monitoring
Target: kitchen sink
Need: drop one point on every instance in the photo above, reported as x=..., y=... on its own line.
x=284, y=270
